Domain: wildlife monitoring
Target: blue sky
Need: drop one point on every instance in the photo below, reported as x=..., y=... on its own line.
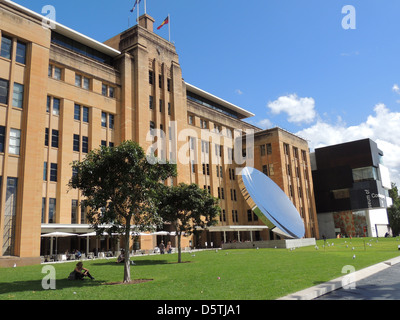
x=290, y=62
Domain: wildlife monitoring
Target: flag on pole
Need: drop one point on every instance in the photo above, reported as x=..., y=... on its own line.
x=134, y=6
x=166, y=21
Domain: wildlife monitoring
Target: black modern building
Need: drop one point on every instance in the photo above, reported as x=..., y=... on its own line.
x=351, y=189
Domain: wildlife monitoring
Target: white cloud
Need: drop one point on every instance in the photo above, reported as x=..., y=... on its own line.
x=299, y=110
x=396, y=88
x=265, y=124
x=239, y=92
x=383, y=128
x=349, y=54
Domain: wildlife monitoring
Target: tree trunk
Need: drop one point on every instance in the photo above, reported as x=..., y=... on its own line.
x=127, y=266
x=179, y=247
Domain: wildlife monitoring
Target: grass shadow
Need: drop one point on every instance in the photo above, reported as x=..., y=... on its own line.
x=36, y=285
x=137, y=263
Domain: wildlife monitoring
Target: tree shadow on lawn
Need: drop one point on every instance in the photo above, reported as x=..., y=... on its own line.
x=137, y=263
x=36, y=285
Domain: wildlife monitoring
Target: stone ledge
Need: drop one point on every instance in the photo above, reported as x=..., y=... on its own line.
x=9, y=262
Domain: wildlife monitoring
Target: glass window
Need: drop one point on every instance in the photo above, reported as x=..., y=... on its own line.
x=54, y=138
x=2, y=137
x=15, y=141
x=104, y=90
x=80, y=48
x=11, y=196
x=104, y=119
x=104, y=143
x=3, y=91
x=52, y=210
x=262, y=149
x=53, y=172
x=56, y=106
x=111, y=144
x=45, y=171
x=57, y=73
x=152, y=127
x=111, y=92
x=74, y=211
x=78, y=80
x=85, y=144
x=76, y=142
x=18, y=95
x=85, y=114
x=21, y=52
x=77, y=112
x=6, y=47
x=48, y=104
x=367, y=173
x=86, y=83
x=10, y=217
x=46, y=136
x=43, y=209
x=151, y=102
x=269, y=148
x=83, y=215
x=111, y=121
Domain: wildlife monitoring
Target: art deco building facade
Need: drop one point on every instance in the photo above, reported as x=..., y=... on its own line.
x=63, y=94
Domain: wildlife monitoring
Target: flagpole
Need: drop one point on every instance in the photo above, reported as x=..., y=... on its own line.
x=169, y=28
x=145, y=7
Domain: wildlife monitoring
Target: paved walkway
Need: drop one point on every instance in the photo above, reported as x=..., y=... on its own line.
x=384, y=285
x=377, y=282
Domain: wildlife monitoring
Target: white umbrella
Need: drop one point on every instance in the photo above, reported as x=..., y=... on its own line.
x=57, y=235
x=161, y=233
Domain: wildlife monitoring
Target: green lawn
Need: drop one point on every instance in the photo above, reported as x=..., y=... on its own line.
x=208, y=275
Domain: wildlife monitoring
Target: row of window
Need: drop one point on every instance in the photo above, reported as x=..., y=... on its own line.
x=204, y=124
x=80, y=112
x=74, y=212
x=52, y=211
x=218, y=170
x=7, y=46
x=81, y=81
x=76, y=141
x=266, y=149
x=14, y=142
x=152, y=80
x=53, y=171
x=235, y=218
x=18, y=93
x=286, y=150
x=160, y=105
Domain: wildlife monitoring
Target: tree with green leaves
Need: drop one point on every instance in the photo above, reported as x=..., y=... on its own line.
x=394, y=210
x=187, y=207
x=119, y=185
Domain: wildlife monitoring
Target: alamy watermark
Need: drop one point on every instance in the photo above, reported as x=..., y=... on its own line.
x=211, y=147
x=49, y=280
x=48, y=21
x=349, y=20
x=349, y=281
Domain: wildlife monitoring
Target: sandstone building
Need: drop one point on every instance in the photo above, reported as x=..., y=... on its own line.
x=63, y=94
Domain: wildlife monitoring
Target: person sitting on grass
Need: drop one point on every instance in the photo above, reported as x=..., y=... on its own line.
x=121, y=257
x=79, y=272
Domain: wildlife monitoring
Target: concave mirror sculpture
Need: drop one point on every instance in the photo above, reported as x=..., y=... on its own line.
x=270, y=203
